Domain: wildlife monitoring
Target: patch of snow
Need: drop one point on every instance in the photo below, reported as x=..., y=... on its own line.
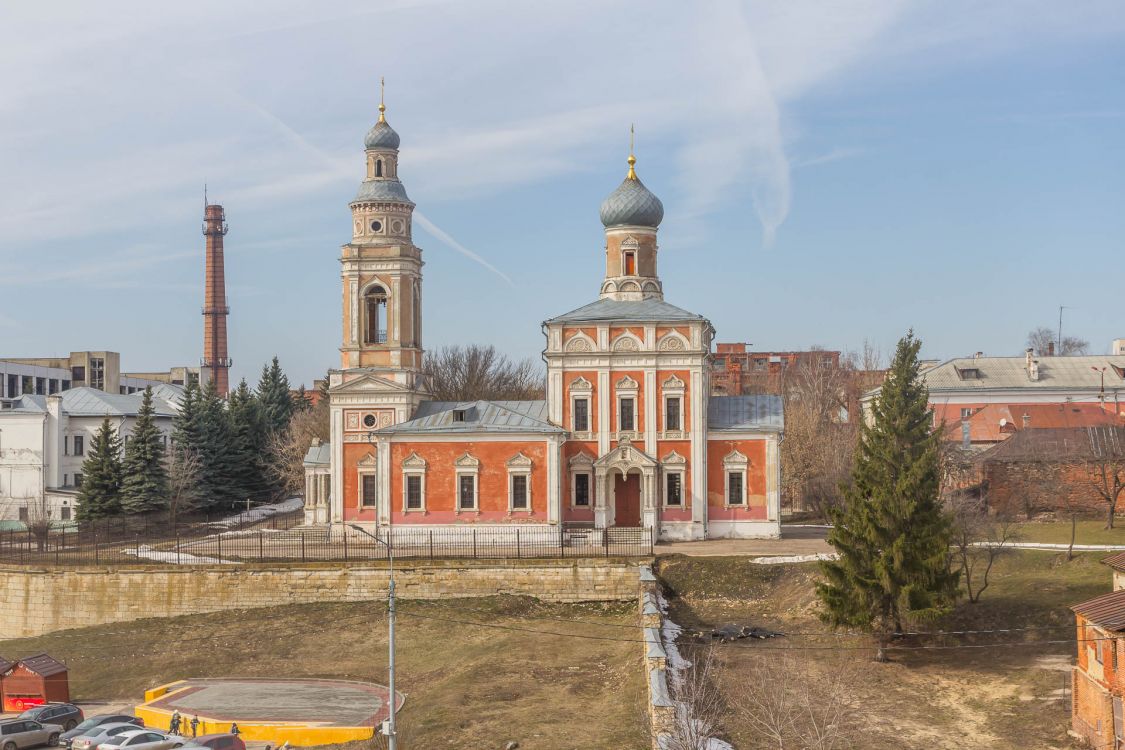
x=784, y=559
x=146, y=552
x=262, y=512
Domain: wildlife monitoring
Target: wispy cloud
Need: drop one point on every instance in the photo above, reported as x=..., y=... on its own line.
x=445, y=237
x=836, y=154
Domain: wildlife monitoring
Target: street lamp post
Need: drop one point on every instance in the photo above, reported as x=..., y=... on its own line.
x=1101, y=371
x=392, y=736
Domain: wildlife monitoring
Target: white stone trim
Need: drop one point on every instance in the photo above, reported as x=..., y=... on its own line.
x=627, y=342
x=519, y=465
x=466, y=465
x=364, y=467
x=580, y=342
x=413, y=466
x=582, y=463
x=735, y=463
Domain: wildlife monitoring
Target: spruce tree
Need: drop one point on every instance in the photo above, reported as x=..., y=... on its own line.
x=144, y=486
x=218, y=481
x=248, y=443
x=275, y=397
x=99, y=495
x=892, y=534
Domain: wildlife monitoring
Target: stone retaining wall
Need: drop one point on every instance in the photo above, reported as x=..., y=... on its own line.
x=42, y=600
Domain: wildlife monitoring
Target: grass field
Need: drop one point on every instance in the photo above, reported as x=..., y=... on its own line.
x=467, y=686
x=998, y=696
x=1087, y=532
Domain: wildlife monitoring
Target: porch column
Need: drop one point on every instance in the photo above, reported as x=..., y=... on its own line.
x=601, y=490
x=649, y=501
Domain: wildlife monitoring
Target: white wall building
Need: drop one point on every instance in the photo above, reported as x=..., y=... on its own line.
x=44, y=441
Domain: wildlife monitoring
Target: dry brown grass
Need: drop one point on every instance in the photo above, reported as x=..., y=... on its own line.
x=466, y=686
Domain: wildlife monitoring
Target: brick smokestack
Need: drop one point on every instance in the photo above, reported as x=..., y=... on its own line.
x=215, y=364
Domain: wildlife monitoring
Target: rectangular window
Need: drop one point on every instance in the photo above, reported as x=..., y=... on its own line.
x=97, y=373
x=582, y=489
x=370, y=490
x=78, y=373
x=41, y=386
x=625, y=424
x=23, y=513
x=66, y=445
x=79, y=448
x=13, y=386
x=630, y=264
x=672, y=413
x=53, y=385
x=734, y=488
x=675, y=487
x=467, y=492
x=519, y=492
x=77, y=480
x=65, y=513
x=966, y=413
x=65, y=480
x=581, y=415
x=66, y=385
x=414, y=492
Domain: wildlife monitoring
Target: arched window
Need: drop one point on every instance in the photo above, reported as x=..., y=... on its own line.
x=378, y=167
x=375, y=302
x=630, y=263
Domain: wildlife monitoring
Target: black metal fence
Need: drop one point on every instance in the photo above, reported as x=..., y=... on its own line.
x=207, y=546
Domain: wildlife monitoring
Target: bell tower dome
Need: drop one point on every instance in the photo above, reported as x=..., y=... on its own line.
x=381, y=268
x=631, y=215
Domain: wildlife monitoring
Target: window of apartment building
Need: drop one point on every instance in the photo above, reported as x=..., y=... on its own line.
x=674, y=489
x=414, y=492
x=626, y=421
x=65, y=480
x=518, y=484
x=672, y=413
x=370, y=490
x=966, y=412
x=467, y=492
x=760, y=364
x=13, y=386
x=23, y=513
x=582, y=414
x=77, y=480
x=78, y=373
x=97, y=373
x=28, y=384
x=79, y=447
x=582, y=490
x=41, y=386
x=66, y=385
x=64, y=513
x=66, y=445
x=53, y=385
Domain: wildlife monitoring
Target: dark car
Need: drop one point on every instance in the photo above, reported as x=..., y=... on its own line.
x=63, y=714
x=218, y=742
x=97, y=721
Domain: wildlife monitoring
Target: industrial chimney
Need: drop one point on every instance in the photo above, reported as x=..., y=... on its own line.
x=215, y=364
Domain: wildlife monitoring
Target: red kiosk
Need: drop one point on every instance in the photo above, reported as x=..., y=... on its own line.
x=33, y=681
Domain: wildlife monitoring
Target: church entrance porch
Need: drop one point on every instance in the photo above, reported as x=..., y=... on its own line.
x=627, y=499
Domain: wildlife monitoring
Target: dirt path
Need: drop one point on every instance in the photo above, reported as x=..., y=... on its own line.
x=795, y=540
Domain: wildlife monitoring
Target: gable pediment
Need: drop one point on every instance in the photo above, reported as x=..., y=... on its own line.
x=367, y=461
x=626, y=455
x=369, y=383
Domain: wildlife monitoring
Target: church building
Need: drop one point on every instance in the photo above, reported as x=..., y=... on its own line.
x=628, y=436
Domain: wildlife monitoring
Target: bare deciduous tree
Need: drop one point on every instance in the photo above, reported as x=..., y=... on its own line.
x=1105, y=466
x=979, y=540
x=699, y=702
x=1042, y=339
x=288, y=448
x=795, y=703
x=472, y=372
x=184, y=468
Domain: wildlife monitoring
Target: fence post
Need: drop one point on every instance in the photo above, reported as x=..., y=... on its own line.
x=302, y=546
x=605, y=540
x=518, y=553
x=431, y=544
x=137, y=541
x=220, y=546
x=179, y=549
x=474, y=544
x=345, y=545
x=95, y=548
x=261, y=544
x=651, y=539
x=56, y=549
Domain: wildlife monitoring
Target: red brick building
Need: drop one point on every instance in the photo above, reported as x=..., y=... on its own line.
x=1099, y=673
x=629, y=434
x=736, y=370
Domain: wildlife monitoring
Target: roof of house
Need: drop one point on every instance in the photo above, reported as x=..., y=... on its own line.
x=90, y=402
x=43, y=664
x=626, y=311
x=995, y=422
x=1106, y=611
x=992, y=373
x=1064, y=443
x=477, y=416
x=319, y=455
x=1116, y=561
x=5, y=665
x=755, y=412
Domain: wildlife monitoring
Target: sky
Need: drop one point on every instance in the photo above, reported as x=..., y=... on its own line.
x=832, y=172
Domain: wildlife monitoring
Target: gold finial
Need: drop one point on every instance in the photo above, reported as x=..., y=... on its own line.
x=632, y=159
x=382, y=106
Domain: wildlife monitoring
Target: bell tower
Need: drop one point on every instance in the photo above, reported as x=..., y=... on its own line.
x=381, y=268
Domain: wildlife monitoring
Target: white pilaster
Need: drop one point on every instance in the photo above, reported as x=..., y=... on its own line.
x=650, y=411
x=337, y=506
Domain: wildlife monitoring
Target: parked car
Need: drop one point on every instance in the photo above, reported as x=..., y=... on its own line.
x=142, y=739
x=17, y=734
x=98, y=721
x=63, y=714
x=216, y=742
x=89, y=738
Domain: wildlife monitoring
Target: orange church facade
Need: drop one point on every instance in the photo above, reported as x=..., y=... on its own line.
x=629, y=434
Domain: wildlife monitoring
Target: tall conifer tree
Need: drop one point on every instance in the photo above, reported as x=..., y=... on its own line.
x=144, y=486
x=100, y=494
x=248, y=443
x=218, y=481
x=892, y=535
x=275, y=397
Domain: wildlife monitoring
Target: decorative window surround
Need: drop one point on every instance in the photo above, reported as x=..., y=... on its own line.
x=582, y=464
x=674, y=465
x=365, y=467
x=580, y=342
x=519, y=465
x=673, y=387
x=627, y=388
x=413, y=466
x=734, y=464
x=467, y=466
x=581, y=390
x=627, y=342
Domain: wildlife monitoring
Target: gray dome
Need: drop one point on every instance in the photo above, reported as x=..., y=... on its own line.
x=381, y=191
x=381, y=136
x=632, y=204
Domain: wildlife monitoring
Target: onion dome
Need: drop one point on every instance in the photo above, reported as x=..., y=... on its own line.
x=382, y=135
x=381, y=191
x=632, y=204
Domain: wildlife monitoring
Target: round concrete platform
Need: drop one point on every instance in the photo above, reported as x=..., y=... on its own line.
x=299, y=711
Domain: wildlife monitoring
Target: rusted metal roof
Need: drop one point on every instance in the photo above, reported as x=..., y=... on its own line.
x=5, y=665
x=43, y=665
x=1116, y=561
x=1106, y=611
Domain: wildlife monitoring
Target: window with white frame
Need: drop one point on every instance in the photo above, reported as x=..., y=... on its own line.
x=413, y=483
x=581, y=414
x=582, y=490
x=519, y=483
x=674, y=466
x=627, y=404
x=735, y=465
x=369, y=490
x=467, y=470
x=582, y=480
x=673, y=392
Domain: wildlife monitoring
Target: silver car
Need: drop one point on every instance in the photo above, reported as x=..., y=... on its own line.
x=92, y=737
x=142, y=739
x=18, y=734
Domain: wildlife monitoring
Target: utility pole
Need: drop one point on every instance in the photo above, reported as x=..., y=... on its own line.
x=389, y=726
x=1061, y=308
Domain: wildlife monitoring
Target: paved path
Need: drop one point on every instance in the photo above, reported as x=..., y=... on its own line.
x=795, y=540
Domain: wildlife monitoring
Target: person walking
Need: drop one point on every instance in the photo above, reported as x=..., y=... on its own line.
x=174, y=724
x=194, y=726
x=234, y=729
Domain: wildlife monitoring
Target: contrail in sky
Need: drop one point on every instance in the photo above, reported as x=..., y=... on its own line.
x=438, y=232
